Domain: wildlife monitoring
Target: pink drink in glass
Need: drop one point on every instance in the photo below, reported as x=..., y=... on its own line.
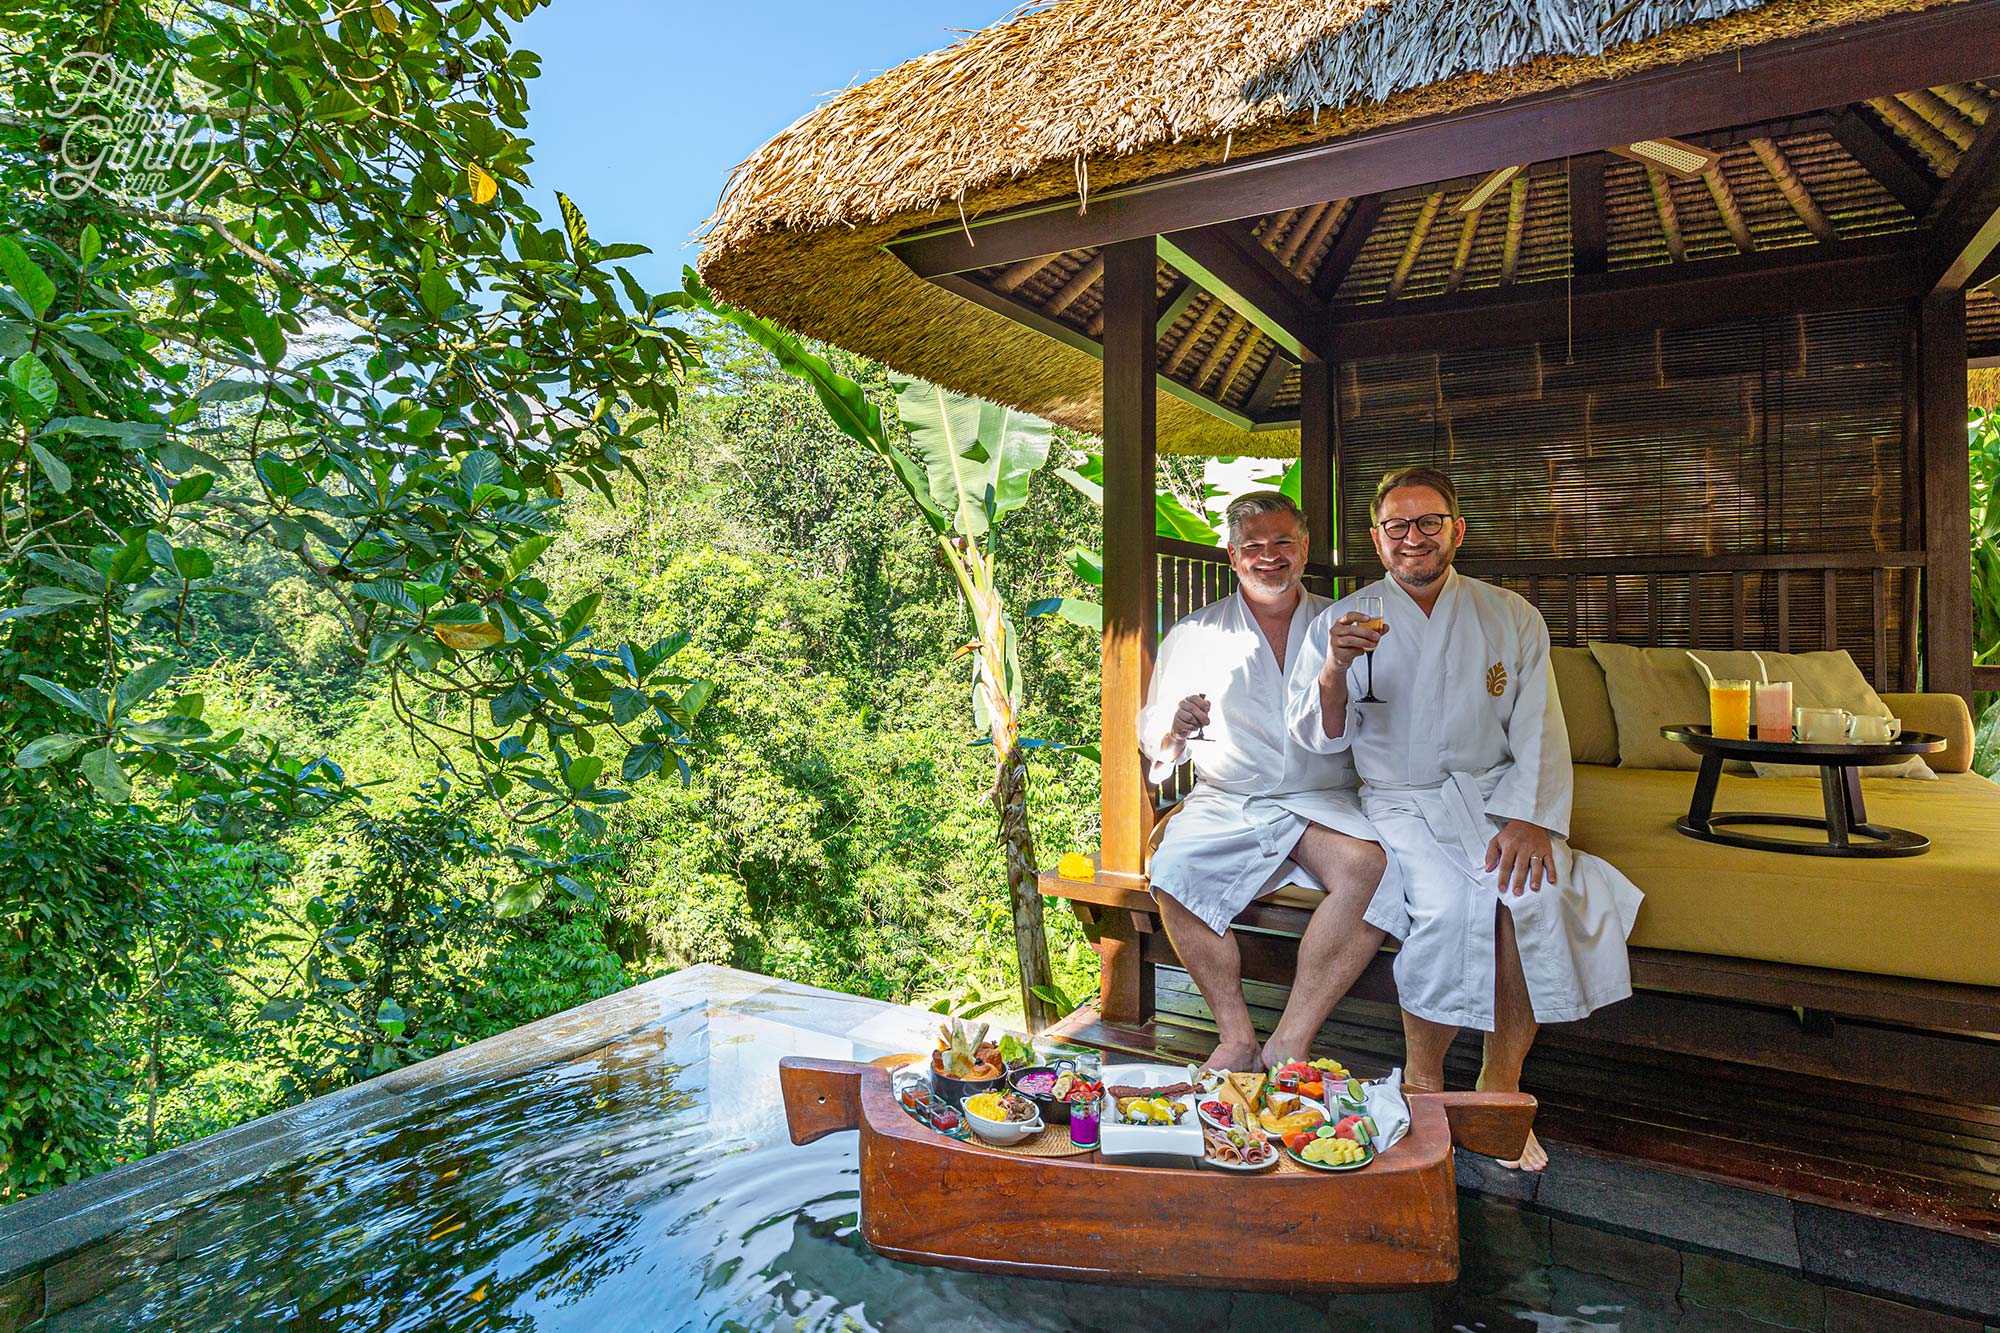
x=1774, y=710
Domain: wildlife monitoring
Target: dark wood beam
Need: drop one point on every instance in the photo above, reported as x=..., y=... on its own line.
x=1354, y=234
x=1173, y=305
x=1316, y=456
x=1954, y=44
x=1986, y=274
x=1258, y=405
x=1844, y=275
x=1230, y=262
x=1903, y=173
x=1023, y=313
x=1587, y=217
x=1965, y=223
x=1947, y=485
x=1129, y=592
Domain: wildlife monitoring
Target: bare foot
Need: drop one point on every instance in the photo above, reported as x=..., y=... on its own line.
x=1285, y=1046
x=1533, y=1157
x=1233, y=1057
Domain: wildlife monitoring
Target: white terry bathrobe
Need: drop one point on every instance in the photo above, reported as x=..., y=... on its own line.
x=1232, y=840
x=1470, y=734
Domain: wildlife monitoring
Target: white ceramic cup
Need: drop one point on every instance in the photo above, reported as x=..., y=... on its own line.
x=1823, y=726
x=1869, y=729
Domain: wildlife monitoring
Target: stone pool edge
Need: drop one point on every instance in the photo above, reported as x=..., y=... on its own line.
x=50, y=1227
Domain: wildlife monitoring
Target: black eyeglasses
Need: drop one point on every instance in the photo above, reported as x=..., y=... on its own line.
x=1395, y=529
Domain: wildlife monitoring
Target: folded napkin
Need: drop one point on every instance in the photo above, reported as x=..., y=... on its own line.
x=1388, y=1109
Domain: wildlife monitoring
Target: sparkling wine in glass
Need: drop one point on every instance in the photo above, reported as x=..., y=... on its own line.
x=1371, y=618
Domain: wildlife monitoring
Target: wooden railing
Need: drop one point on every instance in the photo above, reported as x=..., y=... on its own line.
x=1863, y=601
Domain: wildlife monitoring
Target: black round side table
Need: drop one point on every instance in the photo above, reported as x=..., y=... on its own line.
x=1848, y=832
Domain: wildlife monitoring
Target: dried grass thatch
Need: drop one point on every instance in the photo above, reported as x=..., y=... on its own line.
x=1983, y=388
x=1082, y=95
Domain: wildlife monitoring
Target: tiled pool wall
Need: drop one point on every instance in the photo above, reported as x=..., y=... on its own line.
x=1626, y=1247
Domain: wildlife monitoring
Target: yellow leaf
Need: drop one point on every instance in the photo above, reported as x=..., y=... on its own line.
x=468, y=638
x=483, y=186
x=385, y=18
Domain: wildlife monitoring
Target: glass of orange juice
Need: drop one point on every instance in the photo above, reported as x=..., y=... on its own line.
x=1729, y=709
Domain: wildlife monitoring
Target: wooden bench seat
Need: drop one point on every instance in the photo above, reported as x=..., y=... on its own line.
x=1905, y=941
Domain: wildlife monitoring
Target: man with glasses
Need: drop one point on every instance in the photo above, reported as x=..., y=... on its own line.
x=1265, y=811
x=1465, y=767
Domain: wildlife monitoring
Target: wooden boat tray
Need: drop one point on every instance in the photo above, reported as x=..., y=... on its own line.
x=929, y=1199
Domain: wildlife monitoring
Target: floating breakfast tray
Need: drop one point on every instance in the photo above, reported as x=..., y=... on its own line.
x=929, y=1199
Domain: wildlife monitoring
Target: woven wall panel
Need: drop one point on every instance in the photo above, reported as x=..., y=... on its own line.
x=1771, y=435
x=1778, y=436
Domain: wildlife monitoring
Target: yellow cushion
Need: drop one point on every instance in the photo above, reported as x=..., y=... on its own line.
x=1650, y=688
x=1944, y=714
x=1586, y=706
x=1933, y=916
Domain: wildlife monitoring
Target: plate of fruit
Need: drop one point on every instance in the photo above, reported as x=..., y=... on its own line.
x=1346, y=1145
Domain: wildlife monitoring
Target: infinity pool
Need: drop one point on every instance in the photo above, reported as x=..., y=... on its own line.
x=645, y=1181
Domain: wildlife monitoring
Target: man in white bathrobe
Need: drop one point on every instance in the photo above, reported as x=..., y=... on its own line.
x=1265, y=811
x=1465, y=766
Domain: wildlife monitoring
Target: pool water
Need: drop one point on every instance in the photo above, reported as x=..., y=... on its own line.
x=649, y=1184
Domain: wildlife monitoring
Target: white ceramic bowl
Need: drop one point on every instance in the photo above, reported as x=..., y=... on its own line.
x=1001, y=1132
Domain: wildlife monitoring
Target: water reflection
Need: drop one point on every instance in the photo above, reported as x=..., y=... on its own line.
x=650, y=1186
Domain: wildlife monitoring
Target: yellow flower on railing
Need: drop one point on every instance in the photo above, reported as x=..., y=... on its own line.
x=1077, y=866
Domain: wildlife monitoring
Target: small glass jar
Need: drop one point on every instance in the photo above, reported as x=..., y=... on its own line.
x=1083, y=1115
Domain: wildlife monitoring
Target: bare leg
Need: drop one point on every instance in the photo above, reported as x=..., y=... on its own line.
x=1217, y=968
x=1337, y=944
x=1513, y=1032
x=1424, y=1045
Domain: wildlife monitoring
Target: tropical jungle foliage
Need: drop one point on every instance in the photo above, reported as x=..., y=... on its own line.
x=1985, y=433
x=328, y=327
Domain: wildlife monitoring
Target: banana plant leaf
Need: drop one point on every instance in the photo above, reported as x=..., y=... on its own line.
x=1171, y=518
x=978, y=456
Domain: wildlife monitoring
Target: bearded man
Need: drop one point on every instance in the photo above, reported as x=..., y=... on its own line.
x=1465, y=767
x=1265, y=810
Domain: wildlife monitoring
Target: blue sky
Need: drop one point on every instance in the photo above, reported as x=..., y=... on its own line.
x=642, y=109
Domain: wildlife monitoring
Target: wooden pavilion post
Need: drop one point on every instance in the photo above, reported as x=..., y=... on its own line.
x=1130, y=340
x=1316, y=459
x=1947, y=494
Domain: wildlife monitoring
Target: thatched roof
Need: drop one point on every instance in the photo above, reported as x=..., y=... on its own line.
x=1082, y=95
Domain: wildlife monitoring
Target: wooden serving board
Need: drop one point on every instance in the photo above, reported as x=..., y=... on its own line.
x=930, y=1199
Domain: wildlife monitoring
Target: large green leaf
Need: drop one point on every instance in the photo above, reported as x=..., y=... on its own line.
x=978, y=455
x=1171, y=518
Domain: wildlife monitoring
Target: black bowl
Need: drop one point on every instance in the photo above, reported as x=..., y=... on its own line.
x=955, y=1090
x=1053, y=1112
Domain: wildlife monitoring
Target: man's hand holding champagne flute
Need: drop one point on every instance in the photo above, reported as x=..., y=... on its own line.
x=1191, y=720
x=1354, y=635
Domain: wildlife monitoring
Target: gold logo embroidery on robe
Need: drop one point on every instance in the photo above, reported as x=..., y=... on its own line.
x=1496, y=680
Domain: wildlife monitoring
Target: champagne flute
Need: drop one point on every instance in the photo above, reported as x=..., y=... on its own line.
x=1200, y=733
x=1371, y=618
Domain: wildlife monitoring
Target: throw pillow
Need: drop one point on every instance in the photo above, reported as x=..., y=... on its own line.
x=1586, y=706
x=1650, y=688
